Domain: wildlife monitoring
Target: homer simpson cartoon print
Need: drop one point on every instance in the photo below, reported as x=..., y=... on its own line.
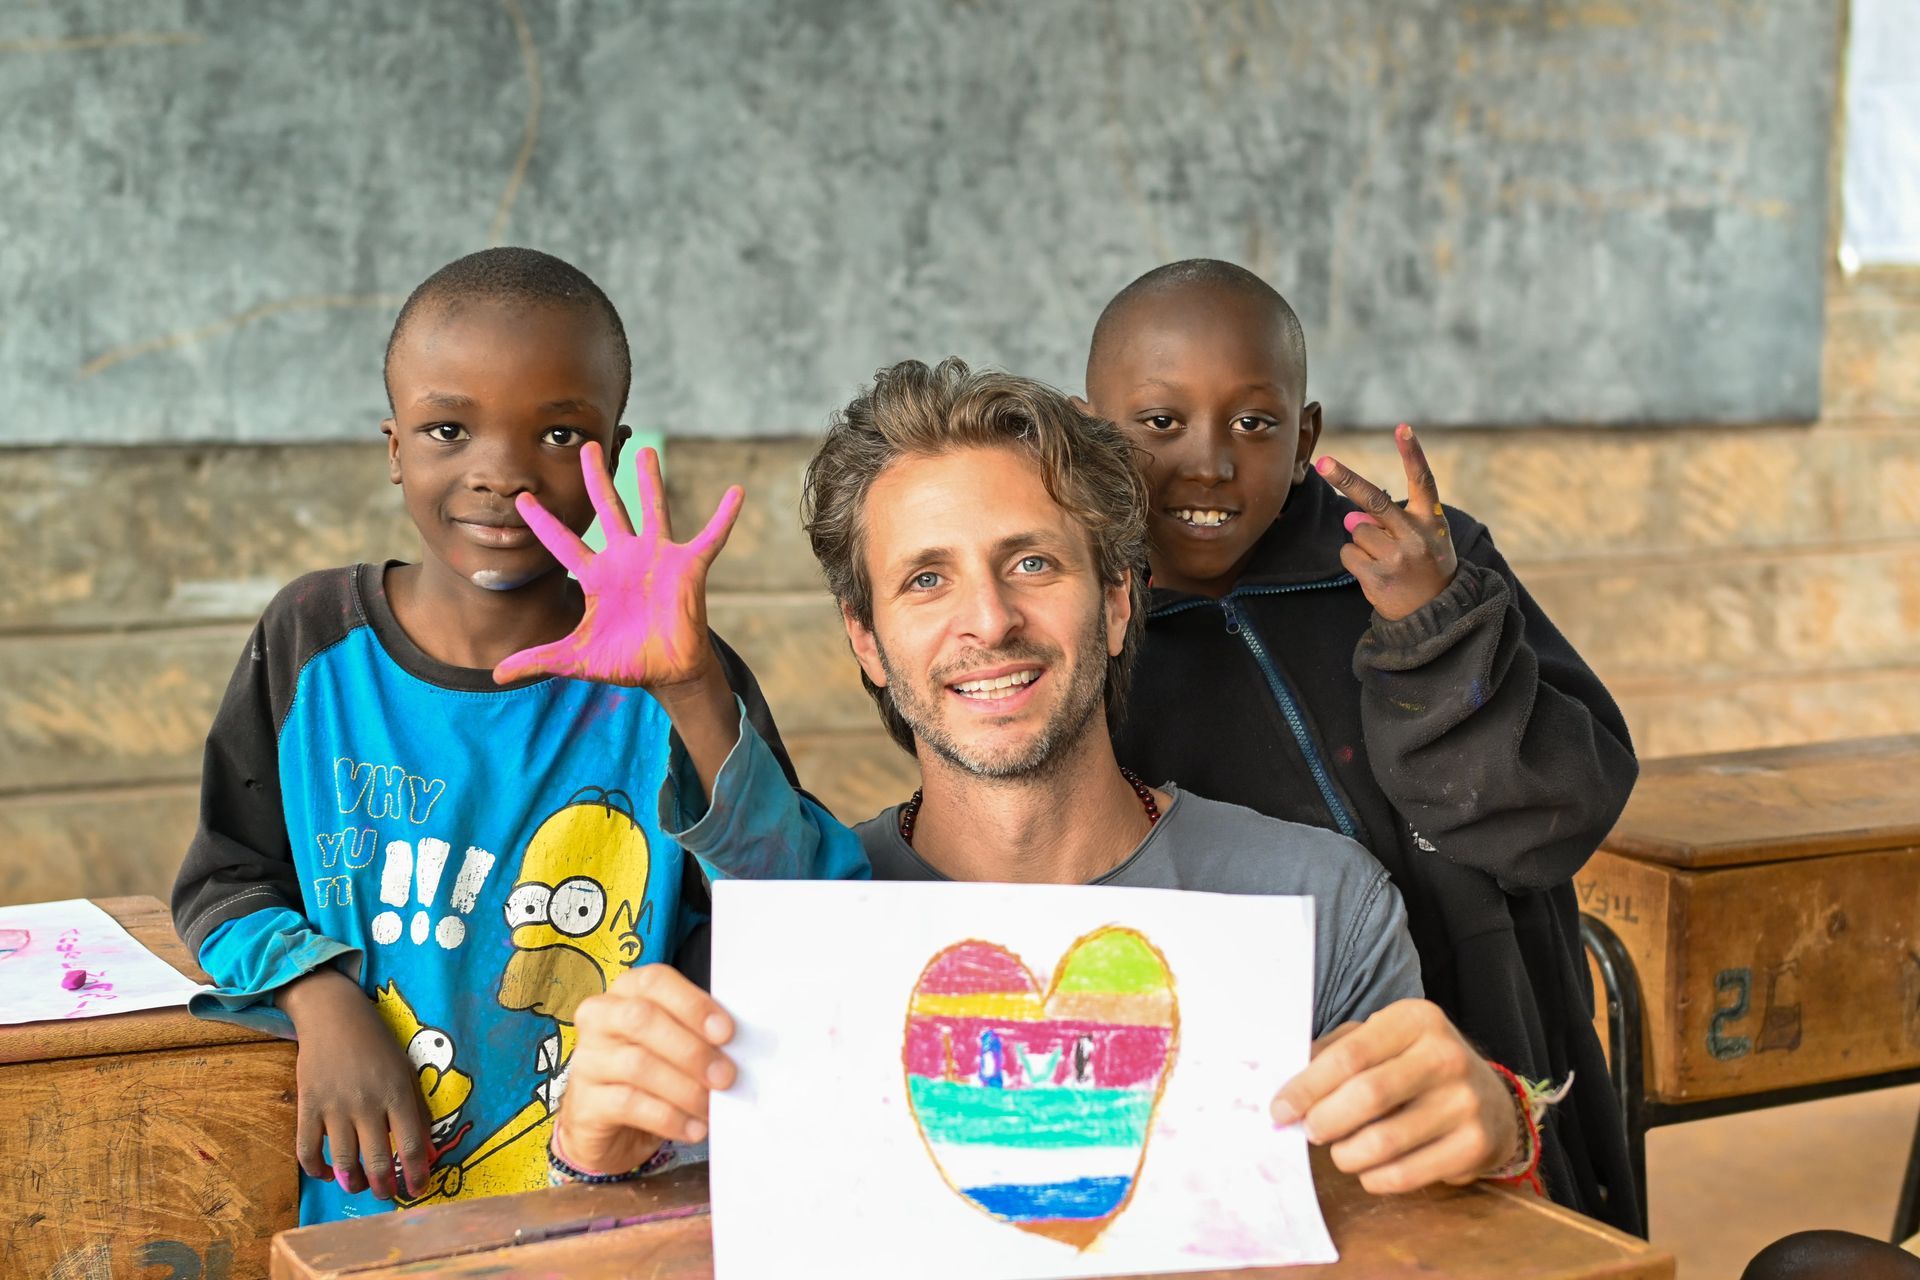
x=578, y=915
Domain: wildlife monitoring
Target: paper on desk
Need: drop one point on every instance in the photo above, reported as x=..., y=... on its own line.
x=959, y=1080
x=41, y=943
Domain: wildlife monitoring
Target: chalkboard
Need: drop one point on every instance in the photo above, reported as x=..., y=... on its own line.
x=1595, y=211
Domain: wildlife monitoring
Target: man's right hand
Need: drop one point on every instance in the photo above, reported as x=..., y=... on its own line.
x=647, y=1057
x=357, y=1089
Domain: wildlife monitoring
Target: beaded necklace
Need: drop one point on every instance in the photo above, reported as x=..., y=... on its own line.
x=910, y=811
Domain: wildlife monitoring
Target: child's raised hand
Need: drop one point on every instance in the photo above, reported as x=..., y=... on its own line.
x=646, y=615
x=1402, y=556
x=357, y=1091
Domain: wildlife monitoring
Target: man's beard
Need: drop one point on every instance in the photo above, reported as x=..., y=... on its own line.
x=1048, y=749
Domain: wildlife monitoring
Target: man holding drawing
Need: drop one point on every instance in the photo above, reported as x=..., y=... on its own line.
x=981, y=538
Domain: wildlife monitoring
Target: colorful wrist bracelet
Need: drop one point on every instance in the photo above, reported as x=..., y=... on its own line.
x=561, y=1172
x=1531, y=1098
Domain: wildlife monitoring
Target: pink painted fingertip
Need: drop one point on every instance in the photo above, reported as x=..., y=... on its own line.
x=1324, y=466
x=1403, y=432
x=1355, y=519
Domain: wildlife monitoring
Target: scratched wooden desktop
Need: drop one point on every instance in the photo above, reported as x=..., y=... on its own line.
x=1762, y=914
x=145, y=1140
x=661, y=1229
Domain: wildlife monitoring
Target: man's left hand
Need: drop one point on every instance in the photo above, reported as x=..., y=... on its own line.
x=1403, y=1101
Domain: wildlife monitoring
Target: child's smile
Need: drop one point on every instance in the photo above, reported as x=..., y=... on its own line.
x=1203, y=518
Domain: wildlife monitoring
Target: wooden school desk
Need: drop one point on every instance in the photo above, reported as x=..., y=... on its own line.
x=1755, y=920
x=661, y=1229
x=144, y=1141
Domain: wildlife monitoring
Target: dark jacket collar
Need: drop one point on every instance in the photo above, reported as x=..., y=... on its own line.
x=1302, y=546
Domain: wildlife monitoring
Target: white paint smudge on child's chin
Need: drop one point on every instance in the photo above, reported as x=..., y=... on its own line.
x=499, y=579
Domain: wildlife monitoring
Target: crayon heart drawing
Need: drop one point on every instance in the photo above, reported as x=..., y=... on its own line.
x=1036, y=1106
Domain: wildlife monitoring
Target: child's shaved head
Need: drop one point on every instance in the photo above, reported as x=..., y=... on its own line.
x=1189, y=276
x=513, y=275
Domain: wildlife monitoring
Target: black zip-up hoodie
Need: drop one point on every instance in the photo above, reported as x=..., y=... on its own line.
x=1466, y=745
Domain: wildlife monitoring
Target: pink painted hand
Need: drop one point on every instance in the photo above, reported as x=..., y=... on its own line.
x=645, y=622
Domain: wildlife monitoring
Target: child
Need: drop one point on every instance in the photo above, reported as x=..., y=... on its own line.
x=1319, y=654
x=429, y=826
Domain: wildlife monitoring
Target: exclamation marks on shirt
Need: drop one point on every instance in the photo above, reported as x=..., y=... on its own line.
x=411, y=874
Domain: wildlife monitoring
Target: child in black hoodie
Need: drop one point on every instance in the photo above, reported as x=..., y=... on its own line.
x=1321, y=654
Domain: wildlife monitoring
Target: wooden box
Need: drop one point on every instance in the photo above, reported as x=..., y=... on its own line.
x=1771, y=903
x=144, y=1144
x=660, y=1228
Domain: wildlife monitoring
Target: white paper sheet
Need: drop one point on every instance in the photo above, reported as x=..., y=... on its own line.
x=40, y=944
x=820, y=1165
x=1882, y=183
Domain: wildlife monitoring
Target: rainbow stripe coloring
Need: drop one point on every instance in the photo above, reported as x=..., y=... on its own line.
x=1037, y=1107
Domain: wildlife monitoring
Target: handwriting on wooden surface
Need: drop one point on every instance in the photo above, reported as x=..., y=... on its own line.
x=183, y=1262
x=1735, y=988
x=1780, y=1027
x=1779, y=1020
x=1603, y=903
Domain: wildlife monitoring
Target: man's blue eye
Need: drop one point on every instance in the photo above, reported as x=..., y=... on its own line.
x=926, y=581
x=1033, y=564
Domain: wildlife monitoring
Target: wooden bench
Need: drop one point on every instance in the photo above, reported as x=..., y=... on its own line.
x=1755, y=922
x=661, y=1228
x=144, y=1140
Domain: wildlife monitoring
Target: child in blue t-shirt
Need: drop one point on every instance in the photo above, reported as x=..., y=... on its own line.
x=430, y=818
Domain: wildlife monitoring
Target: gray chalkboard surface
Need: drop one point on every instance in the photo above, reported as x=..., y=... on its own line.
x=1565, y=210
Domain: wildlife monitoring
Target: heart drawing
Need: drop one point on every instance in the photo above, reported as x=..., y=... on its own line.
x=1036, y=1107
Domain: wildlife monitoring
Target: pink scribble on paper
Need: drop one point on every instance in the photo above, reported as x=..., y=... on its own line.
x=97, y=988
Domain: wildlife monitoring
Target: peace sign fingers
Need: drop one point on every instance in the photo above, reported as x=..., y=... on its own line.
x=1423, y=492
x=1402, y=558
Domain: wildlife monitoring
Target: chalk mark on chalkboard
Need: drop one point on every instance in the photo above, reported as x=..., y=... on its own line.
x=530, y=57
x=187, y=337
x=118, y=40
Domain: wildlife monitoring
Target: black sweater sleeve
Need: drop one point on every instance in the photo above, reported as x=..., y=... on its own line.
x=1486, y=730
x=239, y=860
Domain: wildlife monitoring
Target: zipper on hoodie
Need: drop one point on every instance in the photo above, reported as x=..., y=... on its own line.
x=1237, y=626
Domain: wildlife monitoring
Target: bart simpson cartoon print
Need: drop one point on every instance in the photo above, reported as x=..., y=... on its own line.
x=579, y=913
x=431, y=1051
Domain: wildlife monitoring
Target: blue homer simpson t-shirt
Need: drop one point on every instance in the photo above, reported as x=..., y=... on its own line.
x=480, y=859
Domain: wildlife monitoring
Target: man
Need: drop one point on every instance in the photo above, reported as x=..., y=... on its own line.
x=980, y=537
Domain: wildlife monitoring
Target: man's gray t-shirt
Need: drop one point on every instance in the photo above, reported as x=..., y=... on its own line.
x=1363, y=958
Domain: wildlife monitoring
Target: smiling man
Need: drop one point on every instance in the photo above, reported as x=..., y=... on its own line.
x=981, y=538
